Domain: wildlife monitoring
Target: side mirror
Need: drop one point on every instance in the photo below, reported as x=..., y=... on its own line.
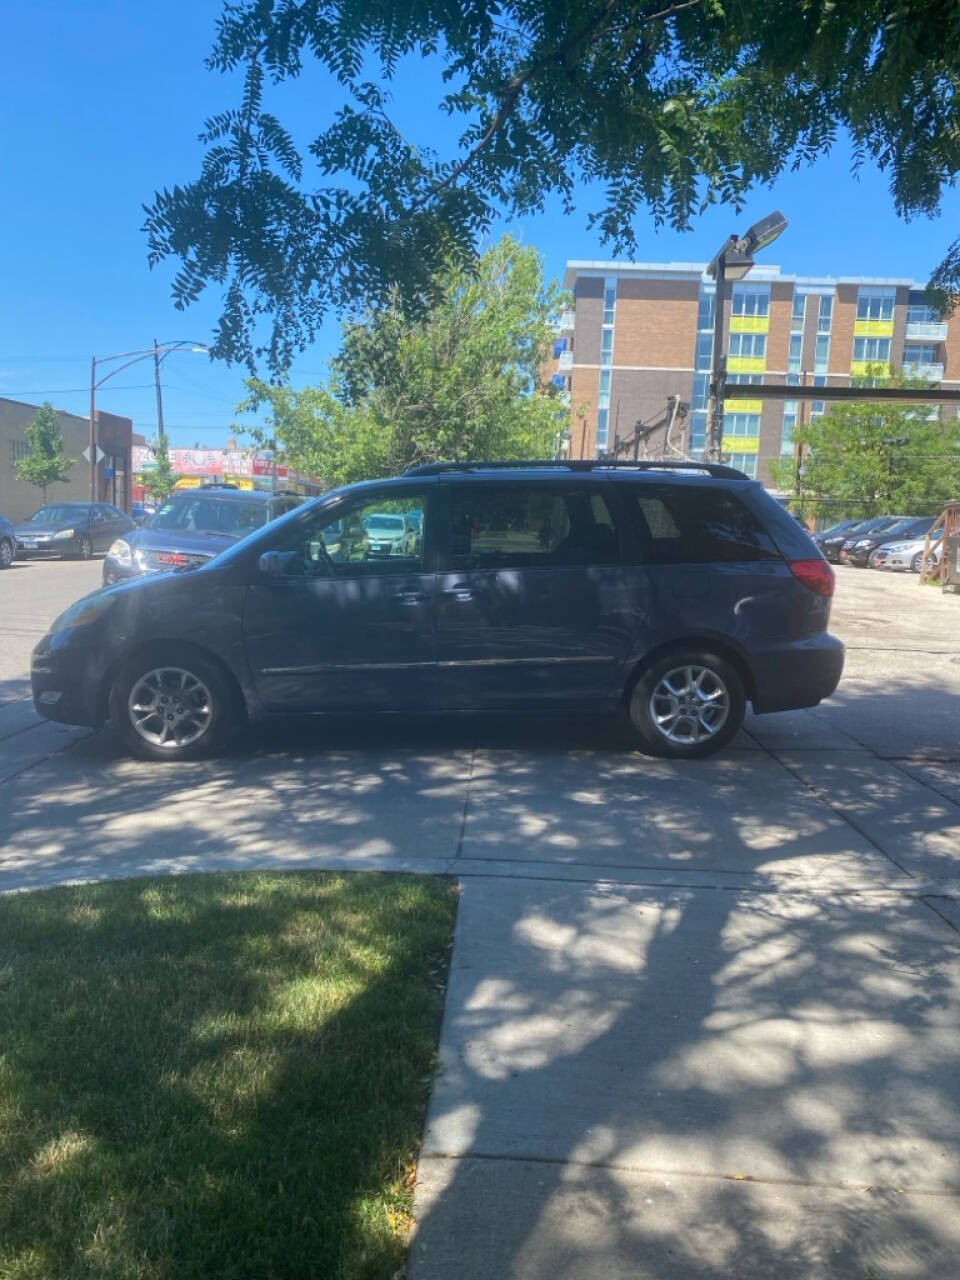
x=271, y=564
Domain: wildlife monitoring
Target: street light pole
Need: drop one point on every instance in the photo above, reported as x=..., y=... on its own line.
x=733, y=261
x=93, y=429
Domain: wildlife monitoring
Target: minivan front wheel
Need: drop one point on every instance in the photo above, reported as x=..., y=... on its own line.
x=687, y=705
x=176, y=709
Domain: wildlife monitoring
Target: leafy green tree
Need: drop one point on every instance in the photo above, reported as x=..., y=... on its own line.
x=158, y=483
x=870, y=458
x=463, y=382
x=670, y=104
x=45, y=463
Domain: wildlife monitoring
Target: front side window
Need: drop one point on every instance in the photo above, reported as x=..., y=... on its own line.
x=370, y=538
x=686, y=524
x=530, y=527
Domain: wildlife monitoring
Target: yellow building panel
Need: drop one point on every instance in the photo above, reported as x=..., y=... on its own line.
x=870, y=368
x=749, y=324
x=743, y=406
x=741, y=444
x=873, y=329
x=746, y=364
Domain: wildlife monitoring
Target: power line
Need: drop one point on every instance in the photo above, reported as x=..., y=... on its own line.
x=67, y=391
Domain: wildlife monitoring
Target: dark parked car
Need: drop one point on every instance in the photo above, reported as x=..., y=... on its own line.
x=859, y=547
x=673, y=594
x=191, y=528
x=831, y=542
x=8, y=543
x=72, y=530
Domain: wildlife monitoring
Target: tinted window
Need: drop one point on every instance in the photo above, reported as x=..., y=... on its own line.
x=686, y=525
x=519, y=526
x=207, y=514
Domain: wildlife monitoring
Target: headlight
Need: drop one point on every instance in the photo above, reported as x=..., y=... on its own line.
x=120, y=551
x=864, y=542
x=64, y=533
x=85, y=611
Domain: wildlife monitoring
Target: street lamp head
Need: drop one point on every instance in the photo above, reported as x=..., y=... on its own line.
x=765, y=231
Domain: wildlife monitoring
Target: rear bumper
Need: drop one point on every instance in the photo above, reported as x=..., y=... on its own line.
x=797, y=675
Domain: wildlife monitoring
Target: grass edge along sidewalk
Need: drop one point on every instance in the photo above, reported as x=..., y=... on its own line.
x=217, y=1075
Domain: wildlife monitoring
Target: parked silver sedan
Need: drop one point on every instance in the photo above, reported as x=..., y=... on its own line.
x=906, y=556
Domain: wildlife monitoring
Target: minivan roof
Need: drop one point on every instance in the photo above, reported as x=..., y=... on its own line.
x=576, y=465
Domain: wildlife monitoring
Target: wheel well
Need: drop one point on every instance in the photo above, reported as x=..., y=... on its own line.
x=707, y=643
x=161, y=649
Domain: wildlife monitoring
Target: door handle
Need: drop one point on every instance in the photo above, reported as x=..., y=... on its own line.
x=461, y=593
x=410, y=597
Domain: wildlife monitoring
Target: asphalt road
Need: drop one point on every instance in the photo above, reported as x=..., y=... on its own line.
x=702, y=1020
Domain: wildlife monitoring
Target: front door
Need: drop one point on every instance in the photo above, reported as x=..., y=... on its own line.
x=347, y=622
x=534, y=609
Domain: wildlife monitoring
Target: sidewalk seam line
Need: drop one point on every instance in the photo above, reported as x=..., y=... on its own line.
x=813, y=1184
x=466, y=805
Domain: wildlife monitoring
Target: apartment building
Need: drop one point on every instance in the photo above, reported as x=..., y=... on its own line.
x=636, y=352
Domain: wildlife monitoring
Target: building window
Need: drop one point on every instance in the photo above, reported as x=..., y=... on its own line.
x=745, y=462
x=793, y=379
x=606, y=347
x=922, y=313
x=825, y=314
x=707, y=310
x=789, y=425
x=823, y=353
x=799, y=310
x=704, y=352
x=875, y=303
x=919, y=355
x=752, y=345
x=604, y=400
x=701, y=390
x=19, y=449
x=750, y=300
x=818, y=407
x=698, y=431
x=741, y=424
x=603, y=422
x=796, y=349
x=875, y=350
x=609, y=299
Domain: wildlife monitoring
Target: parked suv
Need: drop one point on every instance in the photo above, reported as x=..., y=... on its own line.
x=71, y=530
x=670, y=593
x=191, y=528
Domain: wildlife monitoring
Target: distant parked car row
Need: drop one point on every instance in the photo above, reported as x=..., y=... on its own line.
x=882, y=542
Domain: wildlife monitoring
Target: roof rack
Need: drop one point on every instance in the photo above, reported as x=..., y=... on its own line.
x=717, y=469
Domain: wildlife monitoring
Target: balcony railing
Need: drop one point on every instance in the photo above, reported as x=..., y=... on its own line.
x=926, y=331
x=567, y=321
x=565, y=361
x=929, y=372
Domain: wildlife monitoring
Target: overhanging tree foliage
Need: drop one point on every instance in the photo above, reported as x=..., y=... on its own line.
x=45, y=463
x=158, y=483
x=670, y=104
x=873, y=458
x=463, y=382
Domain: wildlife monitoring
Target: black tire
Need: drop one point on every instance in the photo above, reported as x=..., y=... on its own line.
x=8, y=553
x=718, y=675
x=181, y=708
x=916, y=563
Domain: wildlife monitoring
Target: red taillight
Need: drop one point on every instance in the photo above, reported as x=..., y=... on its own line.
x=815, y=574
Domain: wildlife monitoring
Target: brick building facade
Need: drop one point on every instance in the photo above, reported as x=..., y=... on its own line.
x=637, y=347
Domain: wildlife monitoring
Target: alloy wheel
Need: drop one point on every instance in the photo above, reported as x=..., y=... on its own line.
x=85, y=550
x=6, y=553
x=170, y=707
x=690, y=705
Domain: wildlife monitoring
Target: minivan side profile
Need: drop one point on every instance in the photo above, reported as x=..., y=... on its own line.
x=671, y=595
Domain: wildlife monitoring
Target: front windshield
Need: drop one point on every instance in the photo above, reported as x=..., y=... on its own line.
x=203, y=513
x=386, y=523
x=56, y=515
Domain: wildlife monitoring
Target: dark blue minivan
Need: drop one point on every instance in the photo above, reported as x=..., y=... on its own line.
x=672, y=594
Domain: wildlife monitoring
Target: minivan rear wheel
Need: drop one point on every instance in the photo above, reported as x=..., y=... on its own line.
x=687, y=705
x=174, y=706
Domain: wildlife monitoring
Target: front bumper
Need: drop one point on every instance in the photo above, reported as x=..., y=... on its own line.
x=66, y=680
x=46, y=547
x=797, y=675
x=856, y=556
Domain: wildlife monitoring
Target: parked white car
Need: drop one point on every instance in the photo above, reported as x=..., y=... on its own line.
x=906, y=556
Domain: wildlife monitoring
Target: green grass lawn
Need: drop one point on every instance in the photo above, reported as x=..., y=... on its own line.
x=216, y=1076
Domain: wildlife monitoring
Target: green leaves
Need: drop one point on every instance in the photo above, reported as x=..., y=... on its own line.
x=671, y=105
x=462, y=382
x=45, y=463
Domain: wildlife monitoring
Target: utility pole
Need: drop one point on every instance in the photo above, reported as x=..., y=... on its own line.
x=93, y=429
x=156, y=376
x=718, y=365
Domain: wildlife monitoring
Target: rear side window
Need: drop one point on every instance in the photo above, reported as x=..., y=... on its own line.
x=695, y=525
x=530, y=527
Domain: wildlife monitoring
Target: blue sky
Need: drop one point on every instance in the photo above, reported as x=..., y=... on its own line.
x=101, y=103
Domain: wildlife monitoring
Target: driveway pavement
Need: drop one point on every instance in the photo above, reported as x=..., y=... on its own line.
x=702, y=1021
